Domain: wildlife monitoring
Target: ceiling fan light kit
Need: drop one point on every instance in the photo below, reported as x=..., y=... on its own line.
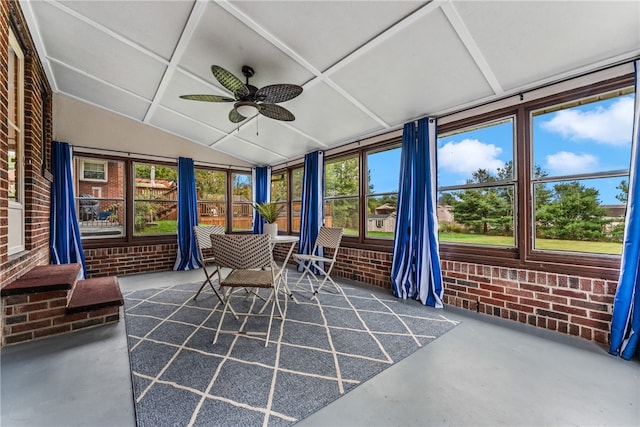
x=248, y=99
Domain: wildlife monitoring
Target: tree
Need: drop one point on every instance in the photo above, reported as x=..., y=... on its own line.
x=342, y=179
x=573, y=213
x=624, y=191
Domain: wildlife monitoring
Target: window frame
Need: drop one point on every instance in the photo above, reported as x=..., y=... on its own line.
x=104, y=164
x=523, y=255
x=16, y=208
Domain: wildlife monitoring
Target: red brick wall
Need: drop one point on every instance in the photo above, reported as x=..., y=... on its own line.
x=571, y=305
x=126, y=260
x=37, y=187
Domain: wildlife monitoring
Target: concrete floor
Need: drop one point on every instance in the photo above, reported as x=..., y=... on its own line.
x=485, y=372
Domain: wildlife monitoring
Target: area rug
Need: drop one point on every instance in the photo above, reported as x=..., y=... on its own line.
x=324, y=348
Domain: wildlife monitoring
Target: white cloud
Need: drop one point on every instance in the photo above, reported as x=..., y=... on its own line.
x=566, y=163
x=610, y=125
x=468, y=156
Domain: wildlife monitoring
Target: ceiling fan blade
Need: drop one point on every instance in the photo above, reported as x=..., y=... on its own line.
x=276, y=112
x=230, y=82
x=236, y=117
x=278, y=93
x=208, y=98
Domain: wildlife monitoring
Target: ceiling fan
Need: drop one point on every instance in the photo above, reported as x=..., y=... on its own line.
x=249, y=100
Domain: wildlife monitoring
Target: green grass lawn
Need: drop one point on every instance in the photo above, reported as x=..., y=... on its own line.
x=160, y=227
x=548, y=244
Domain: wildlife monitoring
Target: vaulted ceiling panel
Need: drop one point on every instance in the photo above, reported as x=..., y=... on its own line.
x=526, y=42
x=222, y=39
x=423, y=69
x=249, y=152
x=185, y=127
x=328, y=116
x=302, y=26
x=278, y=137
x=81, y=46
x=135, y=20
x=87, y=89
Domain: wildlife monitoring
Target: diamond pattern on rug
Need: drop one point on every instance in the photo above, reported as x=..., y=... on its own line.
x=324, y=348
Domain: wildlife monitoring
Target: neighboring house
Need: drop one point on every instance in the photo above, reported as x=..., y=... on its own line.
x=384, y=219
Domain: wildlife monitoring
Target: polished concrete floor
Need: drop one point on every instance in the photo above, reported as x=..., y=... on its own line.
x=485, y=372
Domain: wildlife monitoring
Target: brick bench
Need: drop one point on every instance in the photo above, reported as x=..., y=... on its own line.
x=49, y=300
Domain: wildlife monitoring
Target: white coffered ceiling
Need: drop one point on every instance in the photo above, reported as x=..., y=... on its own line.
x=366, y=66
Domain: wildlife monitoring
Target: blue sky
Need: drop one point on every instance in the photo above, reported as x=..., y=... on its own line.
x=590, y=138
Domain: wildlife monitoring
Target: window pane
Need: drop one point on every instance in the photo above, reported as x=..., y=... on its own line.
x=342, y=213
x=155, y=199
x=476, y=155
x=581, y=216
x=480, y=216
x=342, y=178
x=381, y=216
x=591, y=137
x=211, y=189
x=590, y=141
x=241, y=204
x=296, y=191
x=279, y=192
x=101, y=204
x=383, y=169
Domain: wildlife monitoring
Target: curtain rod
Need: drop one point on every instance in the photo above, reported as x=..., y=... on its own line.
x=88, y=150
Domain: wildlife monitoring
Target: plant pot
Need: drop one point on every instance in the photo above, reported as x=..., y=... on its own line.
x=271, y=229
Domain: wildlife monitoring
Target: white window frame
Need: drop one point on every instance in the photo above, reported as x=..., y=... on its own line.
x=97, y=162
x=16, y=222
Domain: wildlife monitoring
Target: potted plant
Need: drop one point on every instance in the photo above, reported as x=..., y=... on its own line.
x=269, y=211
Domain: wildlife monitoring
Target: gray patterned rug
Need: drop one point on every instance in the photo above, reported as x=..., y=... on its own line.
x=323, y=349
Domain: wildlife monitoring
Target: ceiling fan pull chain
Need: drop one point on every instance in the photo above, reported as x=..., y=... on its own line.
x=257, y=127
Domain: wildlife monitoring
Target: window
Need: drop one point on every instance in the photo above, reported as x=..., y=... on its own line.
x=554, y=199
x=476, y=194
x=581, y=155
x=211, y=192
x=101, y=204
x=279, y=194
x=15, y=152
x=155, y=199
x=383, y=177
x=296, y=198
x=93, y=170
x=241, y=204
x=342, y=191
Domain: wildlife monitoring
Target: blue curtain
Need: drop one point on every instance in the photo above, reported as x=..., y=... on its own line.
x=625, y=322
x=261, y=178
x=312, y=210
x=187, y=258
x=65, y=243
x=415, y=271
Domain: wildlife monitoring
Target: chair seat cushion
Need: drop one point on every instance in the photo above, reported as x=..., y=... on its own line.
x=304, y=257
x=249, y=278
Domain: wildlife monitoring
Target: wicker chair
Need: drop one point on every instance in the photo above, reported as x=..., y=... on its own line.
x=328, y=238
x=203, y=241
x=251, y=262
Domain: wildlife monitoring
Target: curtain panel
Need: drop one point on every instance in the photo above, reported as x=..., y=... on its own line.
x=261, y=178
x=625, y=321
x=65, y=239
x=416, y=271
x=187, y=256
x=312, y=210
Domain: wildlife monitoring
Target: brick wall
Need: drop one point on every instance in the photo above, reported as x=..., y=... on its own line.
x=37, y=187
x=125, y=260
x=32, y=316
x=571, y=305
